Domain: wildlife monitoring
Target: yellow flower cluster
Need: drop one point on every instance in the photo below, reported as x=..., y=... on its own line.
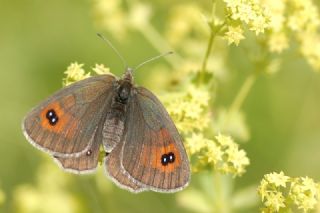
x=232, y=159
x=242, y=13
x=188, y=109
x=75, y=72
x=222, y=153
x=112, y=15
x=280, y=192
x=297, y=19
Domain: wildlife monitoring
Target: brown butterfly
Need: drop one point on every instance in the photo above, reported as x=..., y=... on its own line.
x=144, y=150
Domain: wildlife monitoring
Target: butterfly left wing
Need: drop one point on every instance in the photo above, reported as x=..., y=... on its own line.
x=153, y=153
x=64, y=124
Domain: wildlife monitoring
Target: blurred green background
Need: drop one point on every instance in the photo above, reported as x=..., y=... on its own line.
x=38, y=41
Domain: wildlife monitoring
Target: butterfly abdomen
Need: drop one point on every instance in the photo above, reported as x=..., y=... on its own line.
x=112, y=132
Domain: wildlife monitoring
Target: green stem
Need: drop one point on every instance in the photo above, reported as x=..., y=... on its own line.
x=208, y=51
x=214, y=30
x=206, y=57
x=210, y=45
x=221, y=203
x=243, y=93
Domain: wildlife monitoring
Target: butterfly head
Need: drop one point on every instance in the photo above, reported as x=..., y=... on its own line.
x=127, y=76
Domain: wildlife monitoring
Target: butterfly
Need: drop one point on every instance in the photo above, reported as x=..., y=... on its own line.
x=144, y=150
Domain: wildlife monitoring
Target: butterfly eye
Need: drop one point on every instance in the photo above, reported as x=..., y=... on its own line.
x=52, y=117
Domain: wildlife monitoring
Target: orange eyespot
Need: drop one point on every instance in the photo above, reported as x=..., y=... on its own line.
x=164, y=158
x=53, y=118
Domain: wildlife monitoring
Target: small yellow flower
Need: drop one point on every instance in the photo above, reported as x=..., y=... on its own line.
x=278, y=179
x=259, y=24
x=262, y=189
x=245, y=13
x=195, y=143
x=308, y=184
x=275, y=201
x=214, y=152
x=100, y=69
x=234, y=35
x=224, y=140
x=74, y=73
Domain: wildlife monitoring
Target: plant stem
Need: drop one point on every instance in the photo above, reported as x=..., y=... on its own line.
x=221, y=202
x=214, y=30
x=208, y=51
x=210, y=45
x=206, y=57
x=243, y=93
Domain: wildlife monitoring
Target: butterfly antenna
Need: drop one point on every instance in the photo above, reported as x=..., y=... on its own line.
x=114, y=49
x=152, y=59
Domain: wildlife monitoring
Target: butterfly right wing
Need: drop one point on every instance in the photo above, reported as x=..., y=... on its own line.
x=153, y=153
x=79, y=109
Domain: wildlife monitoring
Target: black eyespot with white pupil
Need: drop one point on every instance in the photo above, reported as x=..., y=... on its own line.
x=167, y=158
x=89, y=152
x=52, y=117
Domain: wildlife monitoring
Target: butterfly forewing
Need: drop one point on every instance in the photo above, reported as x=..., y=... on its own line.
x=65, y=123
x=153, y=153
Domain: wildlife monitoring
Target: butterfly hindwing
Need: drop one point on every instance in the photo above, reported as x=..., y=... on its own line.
x=84, y=163
x=118, y=174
